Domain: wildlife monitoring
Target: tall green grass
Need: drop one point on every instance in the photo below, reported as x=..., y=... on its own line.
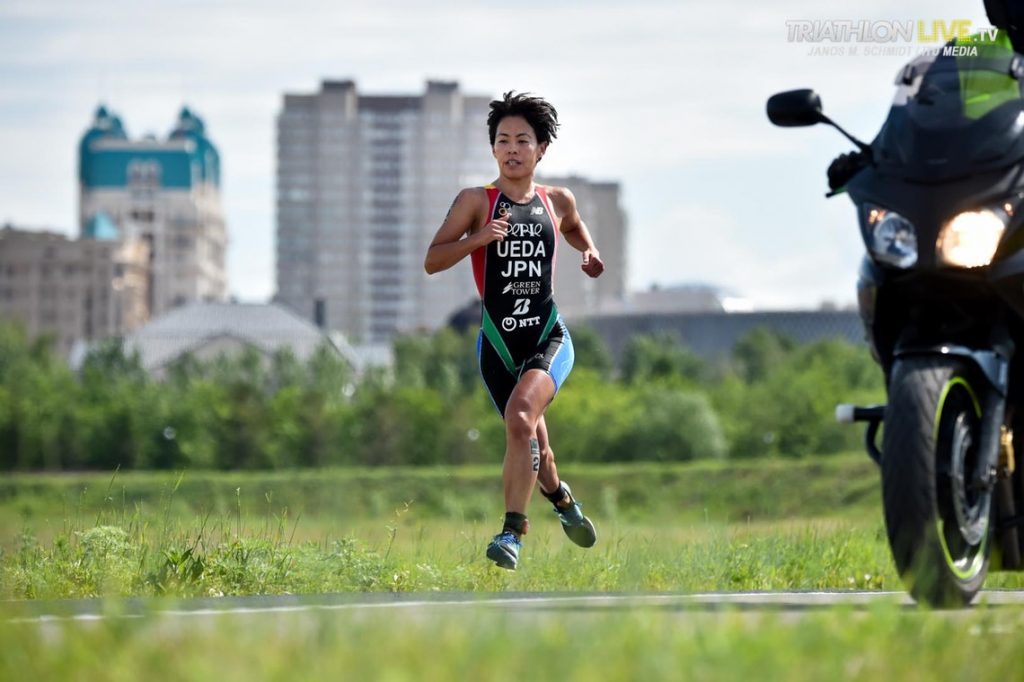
x=443, y=556
x=698, y=527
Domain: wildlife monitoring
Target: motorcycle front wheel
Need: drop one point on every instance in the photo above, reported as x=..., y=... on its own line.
x=937, y=518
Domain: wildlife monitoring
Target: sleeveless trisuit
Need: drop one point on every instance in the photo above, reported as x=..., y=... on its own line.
x=521, y=328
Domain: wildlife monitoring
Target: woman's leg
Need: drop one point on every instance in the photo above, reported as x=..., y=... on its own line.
x=547, y=477
x=524, y=410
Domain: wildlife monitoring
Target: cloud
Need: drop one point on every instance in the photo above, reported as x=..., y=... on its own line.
x=647, y=89
x=813, y=259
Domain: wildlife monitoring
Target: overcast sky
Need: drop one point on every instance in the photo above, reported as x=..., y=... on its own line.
x=666, y=98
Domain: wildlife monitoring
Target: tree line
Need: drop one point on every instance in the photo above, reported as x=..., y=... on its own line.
x=769, y=397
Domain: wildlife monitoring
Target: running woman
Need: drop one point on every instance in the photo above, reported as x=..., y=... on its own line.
x=510, y=229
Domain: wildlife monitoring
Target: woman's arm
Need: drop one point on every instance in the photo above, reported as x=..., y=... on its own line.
x=575, y=231
x=449, y=245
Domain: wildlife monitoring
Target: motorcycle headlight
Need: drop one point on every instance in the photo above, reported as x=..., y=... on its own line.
x=892, y=238
x=971, y=238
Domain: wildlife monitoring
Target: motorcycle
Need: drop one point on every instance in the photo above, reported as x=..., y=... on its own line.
x=940, y=202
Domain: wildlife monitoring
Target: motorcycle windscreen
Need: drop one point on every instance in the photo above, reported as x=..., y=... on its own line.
x=953, y=117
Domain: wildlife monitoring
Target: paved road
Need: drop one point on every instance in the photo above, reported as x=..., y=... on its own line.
x=785, y=602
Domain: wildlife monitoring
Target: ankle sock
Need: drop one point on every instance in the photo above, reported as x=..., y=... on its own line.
x=557, y=495
x=516, y=523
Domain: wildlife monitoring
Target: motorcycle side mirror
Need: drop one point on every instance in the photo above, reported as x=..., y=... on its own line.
x=803, y=108
x=795, y=108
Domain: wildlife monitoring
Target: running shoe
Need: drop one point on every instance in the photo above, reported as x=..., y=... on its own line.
x=577, y=526
x=504, y=550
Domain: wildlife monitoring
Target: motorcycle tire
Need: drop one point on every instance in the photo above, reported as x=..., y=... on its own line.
x=939, y=525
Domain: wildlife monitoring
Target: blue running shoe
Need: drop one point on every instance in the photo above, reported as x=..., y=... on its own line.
x=577, y=526
x=504, y=550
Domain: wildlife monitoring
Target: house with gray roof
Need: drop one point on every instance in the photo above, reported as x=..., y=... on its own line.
x=209, y=330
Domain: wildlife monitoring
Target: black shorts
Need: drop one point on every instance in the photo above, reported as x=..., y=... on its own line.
x=554, y=355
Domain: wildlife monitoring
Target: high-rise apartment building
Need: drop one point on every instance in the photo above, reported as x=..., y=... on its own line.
x=85, y=289
x=164, y=192
x=599, y=206
x=363, y=182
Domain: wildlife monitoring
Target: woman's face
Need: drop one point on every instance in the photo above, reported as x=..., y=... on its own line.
x=515, y=148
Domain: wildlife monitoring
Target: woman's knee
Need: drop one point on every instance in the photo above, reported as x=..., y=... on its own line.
x=519, y=424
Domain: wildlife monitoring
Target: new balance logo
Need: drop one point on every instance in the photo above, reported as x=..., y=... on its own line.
x=536, y=210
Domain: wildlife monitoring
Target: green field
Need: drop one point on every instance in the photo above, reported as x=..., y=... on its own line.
x=870, y=644
x=725, y=492
x=768, y=525
x=763, y=525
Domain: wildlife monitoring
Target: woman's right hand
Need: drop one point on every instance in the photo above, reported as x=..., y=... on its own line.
x=494, y=231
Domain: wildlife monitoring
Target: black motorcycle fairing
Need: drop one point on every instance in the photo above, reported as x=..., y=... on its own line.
x=870, y=279
x=929, y=138
x=930, y=206
x=1007, y=276
x=925, y=309
x=910, y=151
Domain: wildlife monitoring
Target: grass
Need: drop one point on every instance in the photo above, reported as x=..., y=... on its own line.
x=879, y=642
x=672, y=528
x=802, y=524
x=700, y=491
x=662, y=528
x=443, y=556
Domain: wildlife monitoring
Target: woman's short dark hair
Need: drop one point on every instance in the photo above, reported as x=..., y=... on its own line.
x=541, y=116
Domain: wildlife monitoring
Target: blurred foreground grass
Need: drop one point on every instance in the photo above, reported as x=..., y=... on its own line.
x=879, y=642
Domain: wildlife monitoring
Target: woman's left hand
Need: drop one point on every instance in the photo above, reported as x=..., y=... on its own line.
x=593, y=266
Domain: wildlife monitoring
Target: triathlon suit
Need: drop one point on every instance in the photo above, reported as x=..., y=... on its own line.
x=521, y=328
